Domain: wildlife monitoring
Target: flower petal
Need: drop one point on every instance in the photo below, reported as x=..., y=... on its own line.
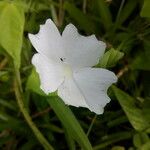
x=48, y=40
x=50, y=73
x=70, y=93
x=81, y=51
x=94, y=82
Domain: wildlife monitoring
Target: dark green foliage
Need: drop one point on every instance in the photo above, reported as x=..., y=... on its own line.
x=125, y=27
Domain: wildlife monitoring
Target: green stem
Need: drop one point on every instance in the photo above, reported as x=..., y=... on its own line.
x=120, y=9
x=91, y=125
x=84, y=6
x=53, y=13
x=19, y=97
x=61, y=13
x=118, y=15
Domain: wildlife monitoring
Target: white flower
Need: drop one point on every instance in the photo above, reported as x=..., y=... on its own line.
x=64, y=63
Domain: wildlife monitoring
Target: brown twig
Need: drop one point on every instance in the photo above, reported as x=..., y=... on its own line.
x=3, y=63
x=4, y=133
x=41, y=113
x=84, y=6
x=61, y=13
x=122, y=71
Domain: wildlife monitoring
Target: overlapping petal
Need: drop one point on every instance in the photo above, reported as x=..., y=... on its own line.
x=71, y=94
x=50, y=73
x=48, y=41
x=93, y=83
x=81, y=51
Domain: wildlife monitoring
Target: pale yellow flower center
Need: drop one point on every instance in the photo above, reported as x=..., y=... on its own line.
x=68, y=71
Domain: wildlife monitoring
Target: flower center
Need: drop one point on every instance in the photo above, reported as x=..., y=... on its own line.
x=68, y=71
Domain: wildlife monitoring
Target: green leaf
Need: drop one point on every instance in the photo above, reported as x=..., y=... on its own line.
x=134, y=114
x=145, y=12
x=70, y=122
x=70, y=141
x=146, y=146
x=145, y=108
x=110, y=58
x=140, y=139
x=82, y=20
x=11, y=28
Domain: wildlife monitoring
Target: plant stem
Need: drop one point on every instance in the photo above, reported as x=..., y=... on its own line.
x=84, y=6
x=19, y=97
x=120, y=9
x=118, y=15
x=91, y=125
x=3, y=63
x=53, y=13
x=61, y=13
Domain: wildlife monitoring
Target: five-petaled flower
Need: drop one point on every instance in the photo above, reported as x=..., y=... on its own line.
x=64, y=64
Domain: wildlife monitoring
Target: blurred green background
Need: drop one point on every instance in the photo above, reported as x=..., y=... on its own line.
x=124, y=25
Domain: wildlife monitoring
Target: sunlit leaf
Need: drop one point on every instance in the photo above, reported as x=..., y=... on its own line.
x=11, y=28
x=70, y=122
x=145, y=12
x=110, y=58
x=133, y=113
x=140, y=139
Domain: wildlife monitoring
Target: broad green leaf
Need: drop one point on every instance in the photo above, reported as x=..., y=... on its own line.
x=110, y=58
x=140, y=139
x=62, y=111
x=70, y=140
x=145, y=12
x=82, y=20
x=146, y=146
x=11, y=30
x=70, y=122
x=134, y=114
x=145, y=108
